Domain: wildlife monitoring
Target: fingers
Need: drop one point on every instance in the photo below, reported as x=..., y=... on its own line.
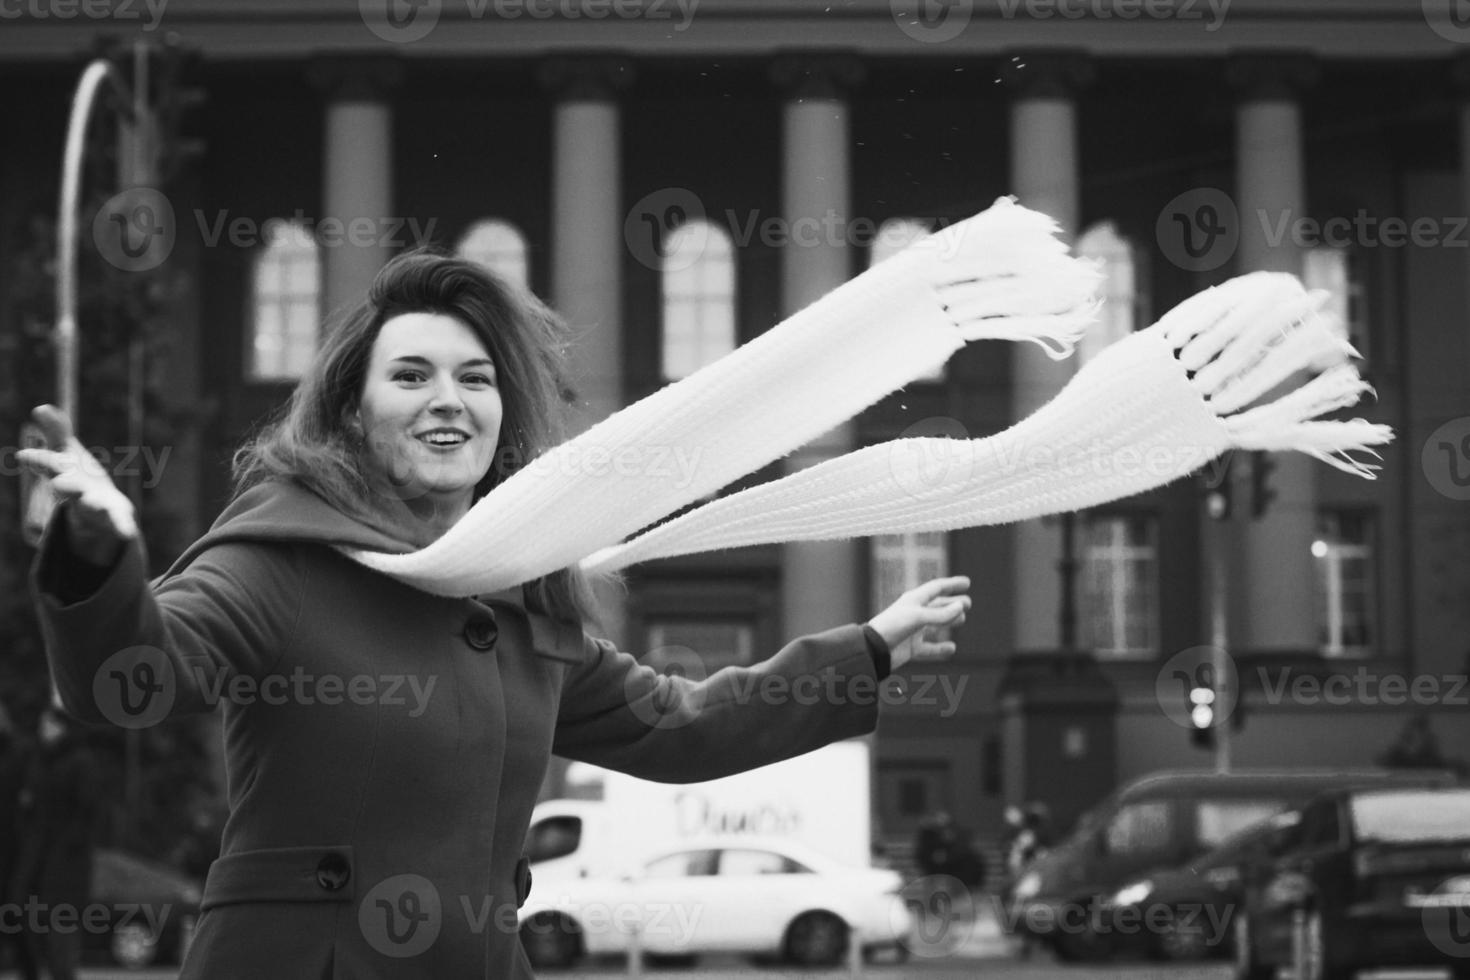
x=44, y=462
x=55, y=424
x=934, y=588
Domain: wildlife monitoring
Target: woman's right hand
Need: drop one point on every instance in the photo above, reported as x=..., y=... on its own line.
x=101, y=517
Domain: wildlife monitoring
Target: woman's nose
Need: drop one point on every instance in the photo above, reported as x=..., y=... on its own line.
x=446, y=400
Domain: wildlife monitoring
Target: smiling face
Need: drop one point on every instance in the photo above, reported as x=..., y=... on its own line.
x=431, y=411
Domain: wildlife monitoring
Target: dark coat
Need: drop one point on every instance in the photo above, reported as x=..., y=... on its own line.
x=374, y=831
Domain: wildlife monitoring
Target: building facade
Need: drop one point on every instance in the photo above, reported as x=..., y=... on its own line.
x=676, y=179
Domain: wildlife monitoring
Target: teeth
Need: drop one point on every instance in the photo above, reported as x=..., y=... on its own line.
x=444, y=439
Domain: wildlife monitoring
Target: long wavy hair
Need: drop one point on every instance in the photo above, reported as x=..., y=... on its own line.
x=315, y=440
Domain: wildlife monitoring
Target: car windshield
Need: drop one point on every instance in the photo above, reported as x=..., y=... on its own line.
x=1406, y=818
x=1234, y=849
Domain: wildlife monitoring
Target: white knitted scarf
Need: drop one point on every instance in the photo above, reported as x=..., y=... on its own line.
x=1147, y=410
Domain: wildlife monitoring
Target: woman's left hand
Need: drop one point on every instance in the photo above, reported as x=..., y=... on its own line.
x=937, y=603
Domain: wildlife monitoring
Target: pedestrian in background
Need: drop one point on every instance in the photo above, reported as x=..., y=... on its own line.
x=58, y=815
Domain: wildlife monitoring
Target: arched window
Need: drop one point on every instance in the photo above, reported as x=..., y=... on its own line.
x=1122, y=310
x=699, y=297
x=285, y=309
x=498, y=246
x=1332, y=268
x=895, y=235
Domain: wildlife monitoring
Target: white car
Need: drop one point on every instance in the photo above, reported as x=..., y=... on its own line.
x=747, y=895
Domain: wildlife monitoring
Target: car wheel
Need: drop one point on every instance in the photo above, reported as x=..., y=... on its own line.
x=816, y=939
x=1182, y=940
x=1247, y=967
x=551, y=941
x=1083, y=946
x=133, y=946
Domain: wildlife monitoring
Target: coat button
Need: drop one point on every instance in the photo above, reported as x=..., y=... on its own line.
x=481, y=631
x=333, y=872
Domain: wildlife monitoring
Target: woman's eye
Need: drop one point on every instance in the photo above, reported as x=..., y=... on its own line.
x=408, y=376
x=479, y=379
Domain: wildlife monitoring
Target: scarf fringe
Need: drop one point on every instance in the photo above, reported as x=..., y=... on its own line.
x=1006, y=274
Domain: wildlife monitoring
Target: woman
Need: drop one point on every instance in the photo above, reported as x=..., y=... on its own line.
x=385, y=746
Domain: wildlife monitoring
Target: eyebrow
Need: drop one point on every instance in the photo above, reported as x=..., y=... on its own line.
x=476, y=362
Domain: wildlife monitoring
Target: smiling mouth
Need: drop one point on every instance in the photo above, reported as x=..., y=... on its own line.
x=443, y=438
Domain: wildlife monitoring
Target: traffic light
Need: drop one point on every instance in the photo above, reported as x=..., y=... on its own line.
x=1261, y=493
x=1201, y=708
x=1217, y=486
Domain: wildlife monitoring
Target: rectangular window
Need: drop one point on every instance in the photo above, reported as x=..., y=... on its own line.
x=1120, y=584
x=717, y=643
x=1347, y=594
x=902, y=561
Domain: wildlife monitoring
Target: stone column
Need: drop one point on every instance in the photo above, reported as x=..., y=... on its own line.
x=1044, y=177
x=1272, y=569
x=357, y=173
x=587, y=250
x=586, y=225
x=821, y=580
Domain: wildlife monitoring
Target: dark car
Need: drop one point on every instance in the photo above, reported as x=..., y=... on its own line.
x=152, y=909
x=1067, y=898
x=1369, y=878
x=1187, y=913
